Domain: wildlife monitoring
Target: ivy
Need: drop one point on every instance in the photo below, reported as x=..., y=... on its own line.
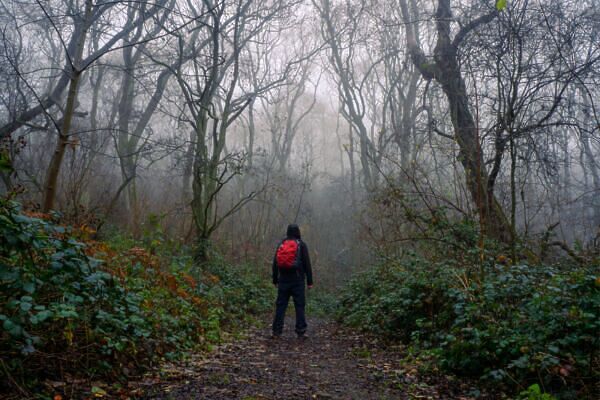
x=523, y=323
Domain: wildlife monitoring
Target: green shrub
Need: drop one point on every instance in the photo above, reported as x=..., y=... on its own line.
x=80, y=307
x=398, y=300
x=321, y=301
x=527, y=323
x=244, y=291
x=521, y=324
x=534, y=392
x=64, y=310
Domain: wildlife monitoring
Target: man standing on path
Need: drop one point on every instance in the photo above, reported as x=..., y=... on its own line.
x=291, y=265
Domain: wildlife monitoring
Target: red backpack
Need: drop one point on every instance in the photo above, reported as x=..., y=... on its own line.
x=288, y=254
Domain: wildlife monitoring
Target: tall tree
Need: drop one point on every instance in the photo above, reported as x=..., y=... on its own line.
x=210, y=84
x=445, y=69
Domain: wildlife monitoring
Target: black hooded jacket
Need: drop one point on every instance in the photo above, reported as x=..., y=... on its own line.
x=293, y=232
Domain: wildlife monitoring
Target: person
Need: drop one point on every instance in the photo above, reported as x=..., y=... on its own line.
x=290, y=282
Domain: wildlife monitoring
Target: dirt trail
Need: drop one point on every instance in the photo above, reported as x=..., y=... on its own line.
x=330, y=364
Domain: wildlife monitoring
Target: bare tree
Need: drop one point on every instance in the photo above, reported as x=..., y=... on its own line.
x=214, y=102
x=76, y=24
x=445, y=69
x=282, y=106
x=341, y=36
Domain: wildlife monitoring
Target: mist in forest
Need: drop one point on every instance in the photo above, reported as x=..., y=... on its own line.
x=441, y=158
x=220, y=122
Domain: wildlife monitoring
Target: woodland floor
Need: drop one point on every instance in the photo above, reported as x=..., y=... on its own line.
x=333, y=363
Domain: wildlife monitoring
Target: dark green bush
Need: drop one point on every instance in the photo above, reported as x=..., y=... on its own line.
x=527, y=323
x=244, y=291
x=80, y=307
x=519, y=324
x=62, y=310
x=399, y=300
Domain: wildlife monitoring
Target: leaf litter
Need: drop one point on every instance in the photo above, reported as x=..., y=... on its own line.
x=333, y=363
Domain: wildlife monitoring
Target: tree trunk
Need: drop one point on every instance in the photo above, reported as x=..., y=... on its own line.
x=50, y=186
x=352, y=169
x=251, y=133
x=199, y=183
x=493, y=220
x=590, y=165
x=446, y=71
x=408, y=121
x=351, y=110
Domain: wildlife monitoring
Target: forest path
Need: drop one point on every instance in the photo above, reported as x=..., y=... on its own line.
x=333, y=363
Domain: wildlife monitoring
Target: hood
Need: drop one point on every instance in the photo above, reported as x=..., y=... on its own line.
x=293, y=231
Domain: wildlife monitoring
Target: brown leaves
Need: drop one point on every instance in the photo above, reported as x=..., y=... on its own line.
x=143, y=257
x=189, y=280
x=211, y=279
x=171, y=282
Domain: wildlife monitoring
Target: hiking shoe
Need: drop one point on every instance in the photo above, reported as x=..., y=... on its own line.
x=275, y=336
x=302, y=336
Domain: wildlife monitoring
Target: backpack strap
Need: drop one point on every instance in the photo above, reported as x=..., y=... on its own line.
x=299, y=254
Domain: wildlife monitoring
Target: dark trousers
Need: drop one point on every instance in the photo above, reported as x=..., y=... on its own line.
x=284, y=291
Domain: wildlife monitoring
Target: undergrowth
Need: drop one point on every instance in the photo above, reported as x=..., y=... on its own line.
x=72, y=307
x=524, y=328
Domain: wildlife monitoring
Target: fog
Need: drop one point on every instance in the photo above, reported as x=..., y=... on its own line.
x=218, y=123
